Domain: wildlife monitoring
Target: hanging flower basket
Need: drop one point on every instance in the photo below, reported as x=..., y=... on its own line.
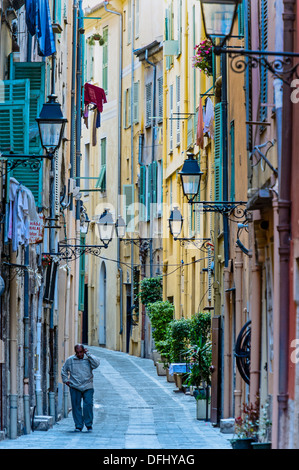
x=203, y=57
x=96, y=37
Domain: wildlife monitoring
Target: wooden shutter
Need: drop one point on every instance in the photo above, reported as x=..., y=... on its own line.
x=218, y=152
x=35, y=72
x=154, y=170
x=148, y=104
x=264, y=71
x=129, y=32
x=171, y=118
x=82, y=276
x=148, y=192
x=178, y=109
x=14, y=116
x=160, y=98
x=105, y=60
x=241, y=18
x=142, y=193
x=232, y=161
x=136, y=102
x=128, y=191
x=179, y=26
x=137, y=8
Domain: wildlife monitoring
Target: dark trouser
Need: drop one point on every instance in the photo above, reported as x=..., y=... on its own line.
x=87, y=416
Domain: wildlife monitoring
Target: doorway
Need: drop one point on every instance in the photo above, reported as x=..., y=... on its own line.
x=102, y=305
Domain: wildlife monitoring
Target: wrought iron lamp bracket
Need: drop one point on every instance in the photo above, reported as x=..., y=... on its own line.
x=71, y=251
x=137, y=241
x=202, y=244
x=235, y=210
x=281, y=66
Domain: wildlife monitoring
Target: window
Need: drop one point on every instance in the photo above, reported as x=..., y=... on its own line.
x=142, y=193
x=101, y=183
x=171, y=118
x=137, y=6
x=218, y=151
x=129, y=28
x=82, y=276
x=86, y=168
x=105, y=60
x=160, y=99
x=264, y=71
x=136, y=102
x=178, y=109
x=232, y=161
x=128, y=191
x=20, y=105
x=148, y=105
x=127, y=108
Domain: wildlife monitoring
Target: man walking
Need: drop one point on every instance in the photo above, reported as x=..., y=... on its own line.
x=77, y=374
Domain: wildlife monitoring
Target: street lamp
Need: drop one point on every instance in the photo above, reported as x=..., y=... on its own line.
x=84, y=221
x=190, y=177
x=51, y=124
x=105, y=226
x=218, y=18
x=120, y=228
x=175, y=222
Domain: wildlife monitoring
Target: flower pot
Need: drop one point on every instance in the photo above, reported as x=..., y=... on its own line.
x=156, y=357
x=170, y=378
x=242, y=443
x=161, y=370
x=261, y=445
x=201, y=409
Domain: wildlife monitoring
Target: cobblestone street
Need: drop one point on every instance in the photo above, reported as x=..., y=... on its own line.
x=134, y=408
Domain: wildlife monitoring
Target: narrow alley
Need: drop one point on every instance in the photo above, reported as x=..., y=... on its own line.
x=134, y=408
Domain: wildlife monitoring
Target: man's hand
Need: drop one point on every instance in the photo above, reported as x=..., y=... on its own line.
x=85, y=351
x=67, y=383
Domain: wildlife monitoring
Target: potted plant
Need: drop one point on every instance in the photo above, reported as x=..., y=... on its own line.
x=96, y=37
x=160, y=314
x=246, y=426
x=177, y=341
x=264, y=433
x=203, y=57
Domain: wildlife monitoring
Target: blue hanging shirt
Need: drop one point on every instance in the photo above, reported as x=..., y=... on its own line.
x=38, y=20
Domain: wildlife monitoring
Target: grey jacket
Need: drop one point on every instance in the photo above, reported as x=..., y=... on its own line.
x=79, y=371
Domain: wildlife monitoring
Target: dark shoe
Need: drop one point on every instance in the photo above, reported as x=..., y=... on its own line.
x=78, y=429
x=89, y=428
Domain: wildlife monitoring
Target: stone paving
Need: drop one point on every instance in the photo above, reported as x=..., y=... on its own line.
x=134, y=408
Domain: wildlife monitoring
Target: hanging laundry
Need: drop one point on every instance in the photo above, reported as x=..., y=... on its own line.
x=200, y=124
x=22, y=209
x=94, y=95
x=209, y=119
x=39, y=24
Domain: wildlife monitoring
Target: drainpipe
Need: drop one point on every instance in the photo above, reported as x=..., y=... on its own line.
x=255, y=314
x=225, y=154
x=73, y=92
x=38, y=388
x=227, y=356
x=13, y=344
x=284, y=207
x=153, y=159
x=119, y=157
x=132, y=142
x=26, y=345
x=239, y=324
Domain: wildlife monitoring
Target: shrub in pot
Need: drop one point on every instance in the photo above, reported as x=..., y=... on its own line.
x=160, y=314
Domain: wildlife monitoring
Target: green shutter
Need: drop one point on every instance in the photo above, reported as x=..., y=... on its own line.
x=241, y=18
x=105, y=60
x=160, y=99
x=264, y=71
x=218, y=151
x=136, y=102
x=14, y=116
x=148, y=104
x=128, y=191
x=148, y=193
x=82, y=276
x=178, y=109
x=142, y=193
x=35, y=72
x=232, y=161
